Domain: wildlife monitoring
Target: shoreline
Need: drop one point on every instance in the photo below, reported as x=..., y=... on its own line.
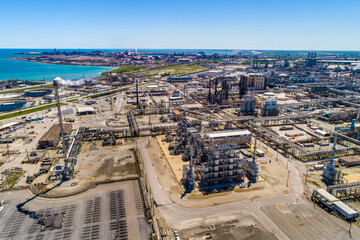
x=61, y=64
x=99, y=73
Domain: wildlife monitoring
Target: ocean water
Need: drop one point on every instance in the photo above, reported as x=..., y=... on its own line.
x=13, y=69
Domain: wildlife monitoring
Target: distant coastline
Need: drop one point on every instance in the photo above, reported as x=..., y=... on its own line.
x=56, y=63
x=13, y=68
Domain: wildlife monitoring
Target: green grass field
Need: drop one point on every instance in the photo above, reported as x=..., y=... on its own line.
x=114, y=90
x=171, y=70
x=125, y=69
x=27, y=111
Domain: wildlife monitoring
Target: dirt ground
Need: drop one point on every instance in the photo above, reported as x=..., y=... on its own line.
x=232, y=230
x=272, y=180
x=119, y=121
x=102, y=163
x=154, y=119
x=174, y=160
x=97, y=163
x=299, y=221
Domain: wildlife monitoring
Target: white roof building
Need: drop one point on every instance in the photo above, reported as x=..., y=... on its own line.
x=85, y=110
x=222, y=134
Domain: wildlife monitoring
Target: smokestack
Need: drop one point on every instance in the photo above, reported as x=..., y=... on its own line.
x=216, y=83
x=137, y=95
x=209, y=95
x=55, y=84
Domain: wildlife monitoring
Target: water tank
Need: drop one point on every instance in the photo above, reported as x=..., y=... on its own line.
x=232, y=154
x=217, y=155
x=176, y=94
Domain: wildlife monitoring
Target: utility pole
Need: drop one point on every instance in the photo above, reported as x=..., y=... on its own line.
x=27, y=154
x=287, y=181
x=137, y=94
x=149, y=130
x=287, y=164
x=350, y=228
x=8, y=152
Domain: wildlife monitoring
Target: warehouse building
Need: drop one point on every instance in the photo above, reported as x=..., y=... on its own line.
x=85, y=111
x=52, y=136
x=349, y=161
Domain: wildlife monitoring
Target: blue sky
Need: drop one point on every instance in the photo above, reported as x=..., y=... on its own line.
x=260, y=24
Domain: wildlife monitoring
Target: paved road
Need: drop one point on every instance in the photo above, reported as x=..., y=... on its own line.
x=181, y=217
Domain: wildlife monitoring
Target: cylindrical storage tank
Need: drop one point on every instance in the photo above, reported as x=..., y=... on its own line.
x=9, y=104
x=217, y=154
x=37, y=92
x=232, y=153
x=252, y=106
x=215, y=175
x=217, y=162
x=10, y=95
x=231, y=167
x=230, y=173
x=216, y=169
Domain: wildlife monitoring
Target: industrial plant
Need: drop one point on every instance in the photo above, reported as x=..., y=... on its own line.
x=252, y=145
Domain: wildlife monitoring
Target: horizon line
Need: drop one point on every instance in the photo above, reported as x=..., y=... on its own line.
x=224, y=49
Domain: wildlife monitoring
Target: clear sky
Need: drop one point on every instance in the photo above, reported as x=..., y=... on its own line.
x=194, y=24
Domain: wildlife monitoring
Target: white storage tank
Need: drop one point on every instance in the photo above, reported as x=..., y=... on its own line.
x=322, y=133
x=232, y=153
